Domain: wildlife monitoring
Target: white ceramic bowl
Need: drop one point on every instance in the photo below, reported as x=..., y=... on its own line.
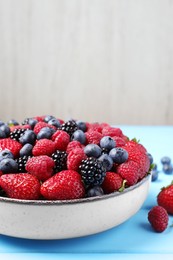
x=72, y=218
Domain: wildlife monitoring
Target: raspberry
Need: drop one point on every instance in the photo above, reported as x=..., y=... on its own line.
x=158, y=218
x=93, y=137
x=72, y=145
x=95, y=127
x=112, y=131
x=40, y=125
x=44, y=147
x=119, y=141
x=20, y=186
x=40, y=166
x=15, y=127
x=64, y=185
x=61, y=139
x=74, y=159
x=11, y=145
x=112, y=182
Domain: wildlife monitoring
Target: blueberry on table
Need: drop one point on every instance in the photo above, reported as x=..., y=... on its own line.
x=165, y=160
x=167, y=168
x=150, y=158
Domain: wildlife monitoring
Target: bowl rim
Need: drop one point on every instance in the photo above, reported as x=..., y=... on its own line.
x=75, y=201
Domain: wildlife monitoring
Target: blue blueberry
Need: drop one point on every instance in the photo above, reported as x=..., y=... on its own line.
x=2, y=134
x=107, y=143
x=81, y=125
x=118, y=155
x=154, y=175
x=166, y=160
x=45, y=132
x=4, y=154
x=55, y=122
x=79, y=136
x=107, y=161
x=150, y=158
x=8, y=165
x=32, y=122
x=92, y=150
x=48, y=118
x=12, y=122
x=1, y=123
x=28, y=137
x=167, y=168
x=95, y=191
x=26, y=150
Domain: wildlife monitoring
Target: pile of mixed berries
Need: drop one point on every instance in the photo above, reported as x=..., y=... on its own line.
x=48, y=158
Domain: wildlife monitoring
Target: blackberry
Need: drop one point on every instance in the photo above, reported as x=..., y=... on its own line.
x=92, y=172
x=21, y=161
x=17, y=133
x=70, y=127
x=60, y=159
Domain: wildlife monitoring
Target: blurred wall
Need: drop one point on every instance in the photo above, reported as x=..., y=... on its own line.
x=96, y=60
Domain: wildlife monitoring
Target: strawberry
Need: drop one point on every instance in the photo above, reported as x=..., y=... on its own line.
x=112, y=182
x=64, y=185
x=61, y=139
x=44, y=147
x=158, y=218
x=20, y=186
x=75, y=158
x=165, y=198
x=10, y=144
x=93, y=137
x=129, y=171
x=72, y=145
x=40, y=166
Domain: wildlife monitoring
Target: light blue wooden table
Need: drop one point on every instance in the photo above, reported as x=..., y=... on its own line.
x=133, y=239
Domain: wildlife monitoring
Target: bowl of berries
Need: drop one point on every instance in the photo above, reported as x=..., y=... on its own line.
x=65, y=179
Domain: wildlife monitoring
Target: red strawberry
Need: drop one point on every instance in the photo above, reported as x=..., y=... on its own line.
x=74, y=159
x=112, y=182
x=93, y=137
x=165, y=198
x=61, y=139
x=112, y=131
x=40, y=125
x=129, y=171
x=20, y=186
x=40, y=166
x=158, y=218
x=44, y=147
x=135, y=145
x=64, y=185
x=10, y=144
x=72, y=145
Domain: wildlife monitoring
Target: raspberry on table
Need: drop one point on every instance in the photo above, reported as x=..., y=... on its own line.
x=158, y=218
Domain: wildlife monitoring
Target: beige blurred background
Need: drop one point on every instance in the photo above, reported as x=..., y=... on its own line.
x=96, y=60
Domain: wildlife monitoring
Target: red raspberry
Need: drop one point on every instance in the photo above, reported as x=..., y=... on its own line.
x=39, y=118
x=165, y=198
x=74, y=159
x=95, y=127
x=64, y=185
x=112, y=182
x=12, y=128
x=112, y=131
x=44, y=147
x=129, y=171
x=72, y=145
x=61, y=139
x=93, y=137
x=10, y=144
x=40, y=125
x=158, y=218
x=40, y=166
x=20, y=186
x=119, y=141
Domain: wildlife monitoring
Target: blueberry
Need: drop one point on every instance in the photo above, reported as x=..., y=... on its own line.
x=12, y=122
x=1, y=123
x=26, y=150
x=81, y=125
x=167, y=168
x=154, y=174
x=166, y=160
x=4, y=154
x=8, y=165
x=2, y=134
x=118, y=155
x=107, y=143
x=55, y=122
x=48, y=118
x=79, y=136
x=107, y=161
x=32, y=122
x=95, y=191
x=28, y=137
x=150, y=158
x=45, y=132
x=92, y=150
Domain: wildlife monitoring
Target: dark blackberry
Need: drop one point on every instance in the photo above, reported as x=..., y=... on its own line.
x=21, y=161
x=60, y=159
x=70, y=127
x=92, y=172
x=17, y=133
